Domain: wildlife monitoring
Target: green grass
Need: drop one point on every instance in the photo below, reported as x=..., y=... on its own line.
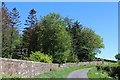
x=8, y=76
x=61, y=73
x=93, y=74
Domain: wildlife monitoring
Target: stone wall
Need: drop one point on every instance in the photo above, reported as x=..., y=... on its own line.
x=30, y=68
x=83, y=63
x=24, y=68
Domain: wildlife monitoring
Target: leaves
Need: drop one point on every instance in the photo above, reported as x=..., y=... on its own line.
x=117, y=56
x=85, y=42
x=41, y=57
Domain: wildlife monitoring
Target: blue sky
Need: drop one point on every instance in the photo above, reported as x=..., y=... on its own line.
x=102, y=17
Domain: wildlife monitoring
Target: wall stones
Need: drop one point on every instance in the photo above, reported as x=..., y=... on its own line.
x=25, y=68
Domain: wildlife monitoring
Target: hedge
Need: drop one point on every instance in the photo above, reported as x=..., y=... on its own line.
x=112, y=70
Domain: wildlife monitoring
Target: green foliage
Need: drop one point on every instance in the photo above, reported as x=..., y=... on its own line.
x=93, y=74
x=14, y=24
x=112, y=70
x=10, y=34
x=118, y=62
x=5, y=30
x=85, y=42
x=41, y=57
x=20, y=56
x=53, y=37
x=29, y=38
x=73, y=58
x=117, y=56
x=98, y=67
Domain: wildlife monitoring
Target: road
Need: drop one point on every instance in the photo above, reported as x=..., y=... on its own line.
x=82, y=73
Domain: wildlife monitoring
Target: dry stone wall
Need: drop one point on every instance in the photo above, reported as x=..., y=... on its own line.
x=83, y=63
x=24, y=68
x=29, y=68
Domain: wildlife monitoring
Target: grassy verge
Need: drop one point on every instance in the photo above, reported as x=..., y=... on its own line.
x=8, y=76
x=61, y=73
x=93, y=74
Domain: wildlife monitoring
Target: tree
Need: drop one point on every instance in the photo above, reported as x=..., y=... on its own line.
x=91, y=44
x=10, y=33
x=53, y=39
x=32, y=19
x=85, y=42
x=15, y=24
x=0, y=31
x=5, y=31
x=117, y=56
x=74, y=29
x=28, y=36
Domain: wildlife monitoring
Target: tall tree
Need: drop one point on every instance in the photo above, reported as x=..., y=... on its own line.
x=53, y=39
x=15, y=24
x=85, y=42
x=31, y=19
x=74, y=29
x=28, y=36
x=5, y=30
x=0, y=32
x=91, y=44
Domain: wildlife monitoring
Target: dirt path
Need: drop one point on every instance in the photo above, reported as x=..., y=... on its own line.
x=82, y=73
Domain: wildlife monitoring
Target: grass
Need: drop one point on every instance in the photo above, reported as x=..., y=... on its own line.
x=61, y=73
x=7, y=76
x=93, y=74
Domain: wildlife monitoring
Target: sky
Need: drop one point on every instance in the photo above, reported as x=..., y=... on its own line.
x=102, y=17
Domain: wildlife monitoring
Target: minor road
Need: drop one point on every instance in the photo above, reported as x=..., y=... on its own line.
x=82, y=73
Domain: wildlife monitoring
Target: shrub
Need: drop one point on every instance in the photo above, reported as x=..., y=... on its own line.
x=98, y=67
x=106, y=68
x=41, y=57
x=112, y=70
x=20, y=56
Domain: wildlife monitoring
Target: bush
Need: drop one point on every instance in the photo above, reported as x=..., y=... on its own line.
x=41, y=57
x=106, y=68
x=20, y=56
x=100, y=67
x=112, y=70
